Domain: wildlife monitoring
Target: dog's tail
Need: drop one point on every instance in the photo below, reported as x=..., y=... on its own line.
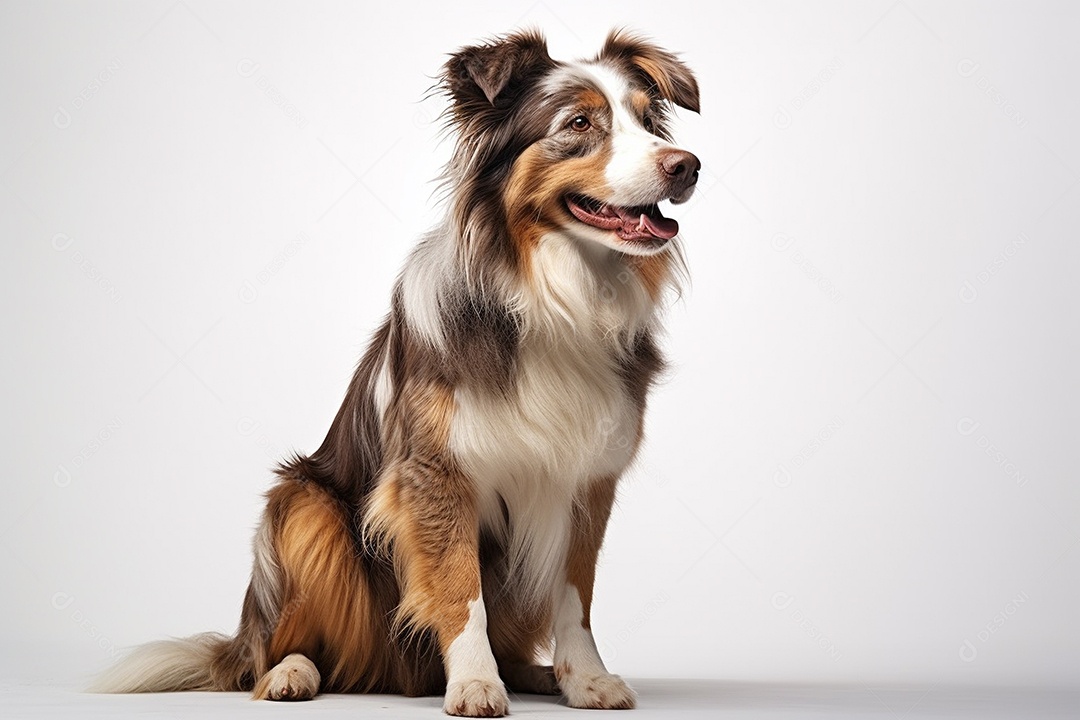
x=209, y=661
x=169, y=666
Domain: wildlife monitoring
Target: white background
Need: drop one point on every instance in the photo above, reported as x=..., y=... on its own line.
x=862, y=467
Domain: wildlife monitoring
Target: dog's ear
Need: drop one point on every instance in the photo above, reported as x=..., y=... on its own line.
x=661, y=70
x=489, y=71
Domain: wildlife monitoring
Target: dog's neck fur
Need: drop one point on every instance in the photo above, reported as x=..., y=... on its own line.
x=574, y=291
x=583, y=291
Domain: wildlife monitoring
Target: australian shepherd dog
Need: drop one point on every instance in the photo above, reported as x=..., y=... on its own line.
x=444, y=536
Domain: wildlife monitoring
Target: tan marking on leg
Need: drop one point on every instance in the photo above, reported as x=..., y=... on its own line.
x=424, y=510
x=582, y=677
x=435, y=548
x=435, y=533
x=589, y=524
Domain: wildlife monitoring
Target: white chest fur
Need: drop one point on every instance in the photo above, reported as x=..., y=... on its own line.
x=568, y=418
x=567, y=421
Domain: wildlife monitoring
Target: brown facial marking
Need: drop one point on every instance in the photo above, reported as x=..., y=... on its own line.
x=639, y=101
x=534, y=195
x=590, y=99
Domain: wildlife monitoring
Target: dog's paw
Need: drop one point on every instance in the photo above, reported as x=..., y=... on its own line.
x=536, y=679
x=476, y=698
x=294, y=678
x=597, y=692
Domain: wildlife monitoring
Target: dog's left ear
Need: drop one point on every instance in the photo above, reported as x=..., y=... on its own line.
x=660, y=69
x=489, y=71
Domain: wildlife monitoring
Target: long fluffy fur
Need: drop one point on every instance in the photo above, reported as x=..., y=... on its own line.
x=166, y=666
x=482, y=434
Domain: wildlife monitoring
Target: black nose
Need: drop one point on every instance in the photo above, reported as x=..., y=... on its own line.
x=680, y=167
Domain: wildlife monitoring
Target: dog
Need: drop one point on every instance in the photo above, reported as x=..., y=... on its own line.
x=446, y=532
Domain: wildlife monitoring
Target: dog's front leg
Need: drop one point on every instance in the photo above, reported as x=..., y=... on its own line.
x=428, y=508
x=583, y=678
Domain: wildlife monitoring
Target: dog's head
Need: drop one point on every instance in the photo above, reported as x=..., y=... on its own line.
x=579, y=147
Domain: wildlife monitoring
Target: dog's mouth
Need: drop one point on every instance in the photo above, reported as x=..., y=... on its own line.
x=641, y=223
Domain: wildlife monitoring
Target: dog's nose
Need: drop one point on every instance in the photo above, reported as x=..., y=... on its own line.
x=680, y=165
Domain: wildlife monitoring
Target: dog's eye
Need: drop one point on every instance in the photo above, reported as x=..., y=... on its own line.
x=580, y=124
x=648, y=123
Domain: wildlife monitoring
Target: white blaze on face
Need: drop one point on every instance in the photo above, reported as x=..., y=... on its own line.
x=633, y=172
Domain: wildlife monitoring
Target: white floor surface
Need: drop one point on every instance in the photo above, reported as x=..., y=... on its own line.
x=657, y=699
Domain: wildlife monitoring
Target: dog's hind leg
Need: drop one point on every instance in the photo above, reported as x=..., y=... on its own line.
x=294, y=678
x=529, y=678
x=326, y=634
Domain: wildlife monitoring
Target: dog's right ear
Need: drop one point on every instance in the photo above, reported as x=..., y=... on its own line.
x=488, y=73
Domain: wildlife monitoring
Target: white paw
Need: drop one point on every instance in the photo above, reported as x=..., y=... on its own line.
x=598, y=692
x=476, y=698
x=294, y=678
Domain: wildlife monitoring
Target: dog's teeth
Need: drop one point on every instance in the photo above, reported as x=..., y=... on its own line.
x=641, y=227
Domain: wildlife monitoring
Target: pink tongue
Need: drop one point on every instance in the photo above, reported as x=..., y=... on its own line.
x=661, y=227
x=642, y=225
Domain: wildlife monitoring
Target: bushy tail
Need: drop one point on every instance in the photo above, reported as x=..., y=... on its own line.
x=209, y=661
x=194, y=663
